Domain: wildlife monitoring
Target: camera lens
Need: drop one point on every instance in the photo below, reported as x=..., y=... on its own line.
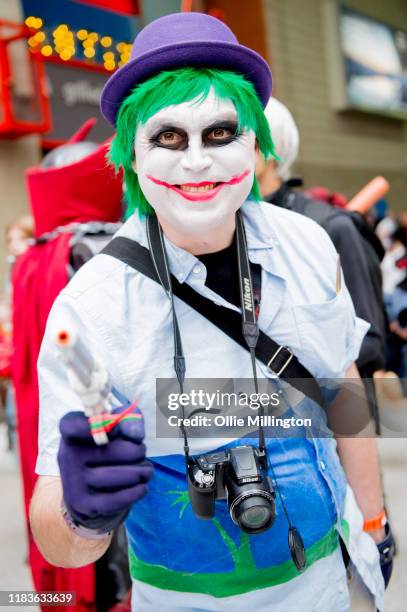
x=253, y=510
x=255, y=517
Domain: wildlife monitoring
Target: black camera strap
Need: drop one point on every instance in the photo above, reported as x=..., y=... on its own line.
x=250, y=327
x=160, y=263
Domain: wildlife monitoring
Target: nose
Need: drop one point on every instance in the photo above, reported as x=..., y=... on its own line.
x=196, y=158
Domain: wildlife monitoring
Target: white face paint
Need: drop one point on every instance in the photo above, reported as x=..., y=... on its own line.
x=194, y=167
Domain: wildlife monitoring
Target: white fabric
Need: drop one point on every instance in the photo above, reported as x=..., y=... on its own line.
x=322, y=588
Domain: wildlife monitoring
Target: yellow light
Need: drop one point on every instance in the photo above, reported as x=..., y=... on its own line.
x=38, y=23
x=63, y=27
x=30, y=21
x=109, y=65
x=106, y=41
x=89, y=53
x=39, y=36
x=120, y=47
x=46, y=50
x=82, y=34
x=88, y=44
x=32, y=42
x=108, y=56
x=93, y=36
x=65, y=55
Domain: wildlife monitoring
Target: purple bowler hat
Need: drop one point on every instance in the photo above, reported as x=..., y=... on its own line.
x=179, y=40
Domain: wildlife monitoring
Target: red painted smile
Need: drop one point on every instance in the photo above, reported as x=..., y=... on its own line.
x=200, y=192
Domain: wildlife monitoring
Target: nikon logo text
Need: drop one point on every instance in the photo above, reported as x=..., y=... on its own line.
x=247, y=294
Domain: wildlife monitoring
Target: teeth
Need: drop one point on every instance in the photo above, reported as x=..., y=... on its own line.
x=202, y=189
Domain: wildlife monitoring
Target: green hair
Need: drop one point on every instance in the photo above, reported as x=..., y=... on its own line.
x=175, y=87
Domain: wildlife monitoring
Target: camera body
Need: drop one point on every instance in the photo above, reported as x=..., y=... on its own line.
x=238, y=475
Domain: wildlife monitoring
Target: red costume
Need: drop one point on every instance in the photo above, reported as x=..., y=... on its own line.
x=84, y=191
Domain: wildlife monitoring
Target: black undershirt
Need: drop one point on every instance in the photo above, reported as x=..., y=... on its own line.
x=223, y=273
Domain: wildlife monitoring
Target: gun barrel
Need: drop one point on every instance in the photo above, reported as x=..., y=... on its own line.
x=88, y=377
x=75, y=354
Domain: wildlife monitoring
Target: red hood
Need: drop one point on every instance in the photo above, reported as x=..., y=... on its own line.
x=87, y=190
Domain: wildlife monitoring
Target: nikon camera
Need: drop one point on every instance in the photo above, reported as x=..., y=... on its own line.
x=238, y=475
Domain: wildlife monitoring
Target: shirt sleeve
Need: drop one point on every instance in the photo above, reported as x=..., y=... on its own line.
x=356, y=331
x=56, y=396
x=356, y=328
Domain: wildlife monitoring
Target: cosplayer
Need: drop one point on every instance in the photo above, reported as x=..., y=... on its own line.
x=188, y=109
x=71, y=192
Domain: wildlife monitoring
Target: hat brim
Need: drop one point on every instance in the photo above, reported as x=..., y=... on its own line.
x=227, y=56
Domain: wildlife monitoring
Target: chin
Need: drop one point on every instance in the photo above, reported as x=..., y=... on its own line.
x=205, y=219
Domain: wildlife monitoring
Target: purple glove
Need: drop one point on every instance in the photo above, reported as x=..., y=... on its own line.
x=101, y=483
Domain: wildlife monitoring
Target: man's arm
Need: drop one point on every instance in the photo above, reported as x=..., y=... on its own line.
x=360, y=460
x=56, y=541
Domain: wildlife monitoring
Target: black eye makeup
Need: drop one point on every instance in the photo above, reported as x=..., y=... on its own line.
x=170, y=137
x=220, y=133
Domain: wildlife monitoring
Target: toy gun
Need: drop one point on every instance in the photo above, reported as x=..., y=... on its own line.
x=87, y=376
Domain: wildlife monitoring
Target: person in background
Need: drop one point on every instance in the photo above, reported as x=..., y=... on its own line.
x=17, y=238
x=394, y=267
x=277, y=187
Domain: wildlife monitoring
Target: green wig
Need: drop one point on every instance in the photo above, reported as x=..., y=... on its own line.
x=175, y=87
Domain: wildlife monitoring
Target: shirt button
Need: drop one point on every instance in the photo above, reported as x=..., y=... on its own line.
x=323, y=465
x=196, y=269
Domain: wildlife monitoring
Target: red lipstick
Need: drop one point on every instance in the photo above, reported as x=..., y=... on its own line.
x=203, y=195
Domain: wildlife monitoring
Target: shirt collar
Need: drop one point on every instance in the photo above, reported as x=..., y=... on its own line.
x=259, y=234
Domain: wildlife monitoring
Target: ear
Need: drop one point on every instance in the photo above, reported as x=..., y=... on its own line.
x=134, y=165
x=256, y=146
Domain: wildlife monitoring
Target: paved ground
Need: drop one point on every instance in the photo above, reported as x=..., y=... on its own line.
x=394, y=461
x=14, y=573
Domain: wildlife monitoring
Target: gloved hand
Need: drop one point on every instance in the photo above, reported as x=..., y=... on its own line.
x=101, y=483
x=387, y=550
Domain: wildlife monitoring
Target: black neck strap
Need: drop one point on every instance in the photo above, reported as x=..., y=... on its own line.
x=250, y=328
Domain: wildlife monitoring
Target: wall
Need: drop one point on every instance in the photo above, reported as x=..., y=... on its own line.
x=342, y=151
x=152, y=9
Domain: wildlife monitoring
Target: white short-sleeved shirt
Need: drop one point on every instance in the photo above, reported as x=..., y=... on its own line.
x=126, y=318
